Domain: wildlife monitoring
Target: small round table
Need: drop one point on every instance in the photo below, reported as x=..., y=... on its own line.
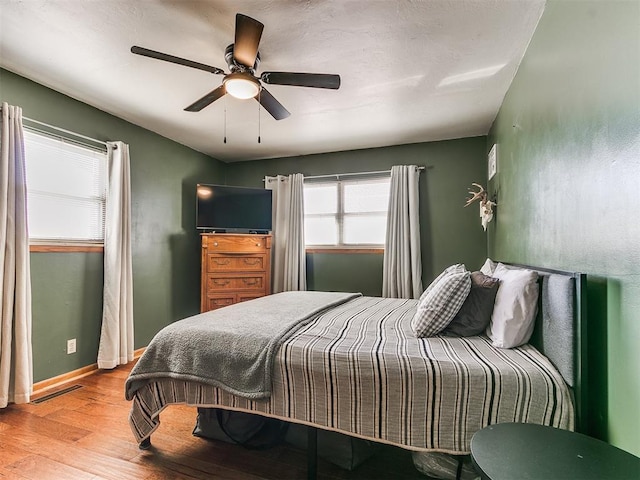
x=510, y=451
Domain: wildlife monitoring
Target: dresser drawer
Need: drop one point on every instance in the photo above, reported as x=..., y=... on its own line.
x=239, y=243
x=243, y=297
x=235, y=262
x=241, y=281
x=219, y=301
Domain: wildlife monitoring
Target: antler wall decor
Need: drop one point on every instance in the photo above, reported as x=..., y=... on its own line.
x=486, y=205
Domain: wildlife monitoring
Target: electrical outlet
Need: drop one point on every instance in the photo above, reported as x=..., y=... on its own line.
x=71, y=346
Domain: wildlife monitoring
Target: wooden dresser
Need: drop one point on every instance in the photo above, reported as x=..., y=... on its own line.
x=235, y=268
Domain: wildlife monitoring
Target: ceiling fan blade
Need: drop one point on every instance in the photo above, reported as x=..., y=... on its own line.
x=315, y=80
x=248, y=33
x=207, y=100
x=271, y=105
x=145, y=52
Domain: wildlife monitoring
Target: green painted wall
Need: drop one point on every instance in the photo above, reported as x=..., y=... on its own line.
x=568, y=136
x=345, y=272
x=66, y=303
x=449, y=233
x=67, y=287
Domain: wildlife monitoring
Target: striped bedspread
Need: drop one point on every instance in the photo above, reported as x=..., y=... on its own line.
x=359, y=369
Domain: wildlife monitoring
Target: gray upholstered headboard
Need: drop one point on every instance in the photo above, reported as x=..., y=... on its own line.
x=560, y=331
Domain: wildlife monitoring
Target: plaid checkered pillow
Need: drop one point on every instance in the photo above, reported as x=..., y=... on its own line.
x=441, y=301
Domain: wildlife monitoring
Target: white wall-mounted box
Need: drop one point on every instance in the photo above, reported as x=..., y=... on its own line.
x=492, y=164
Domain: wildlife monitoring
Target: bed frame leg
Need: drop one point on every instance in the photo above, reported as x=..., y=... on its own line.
x=145, y=444
x=312, y=453
x=459, y=469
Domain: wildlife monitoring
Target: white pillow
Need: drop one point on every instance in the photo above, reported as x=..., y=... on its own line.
x=441, y=301
x=488, y=267
x=515, y=307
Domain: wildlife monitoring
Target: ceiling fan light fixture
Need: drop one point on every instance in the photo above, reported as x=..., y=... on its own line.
x=241, y=85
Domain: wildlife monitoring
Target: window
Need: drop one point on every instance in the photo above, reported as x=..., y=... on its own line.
x=66, y=190
x=346, y=212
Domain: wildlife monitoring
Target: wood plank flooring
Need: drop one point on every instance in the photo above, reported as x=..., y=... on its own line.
x=84, y=434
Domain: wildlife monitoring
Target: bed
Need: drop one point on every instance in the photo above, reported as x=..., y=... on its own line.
x=351, y=364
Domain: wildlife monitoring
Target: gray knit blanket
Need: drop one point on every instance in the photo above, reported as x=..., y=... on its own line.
x=232, y=348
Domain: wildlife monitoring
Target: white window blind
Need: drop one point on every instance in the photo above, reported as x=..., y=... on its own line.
x=66, y=190
x=346, y=212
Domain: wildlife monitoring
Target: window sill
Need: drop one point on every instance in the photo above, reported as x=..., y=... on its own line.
x=378, y=250
x=66, y=248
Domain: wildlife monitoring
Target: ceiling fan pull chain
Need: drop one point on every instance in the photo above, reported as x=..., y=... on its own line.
x=225, y=119
x=259, y=104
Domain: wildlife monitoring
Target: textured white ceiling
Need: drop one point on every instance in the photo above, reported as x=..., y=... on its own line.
x=412, y=71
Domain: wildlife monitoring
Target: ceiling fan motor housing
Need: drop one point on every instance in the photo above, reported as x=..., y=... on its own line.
x=238, y=67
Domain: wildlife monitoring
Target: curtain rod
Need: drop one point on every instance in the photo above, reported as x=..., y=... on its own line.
x=59, y=129
x=338, y=175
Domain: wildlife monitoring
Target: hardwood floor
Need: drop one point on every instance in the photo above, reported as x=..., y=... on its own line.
x=84, y=434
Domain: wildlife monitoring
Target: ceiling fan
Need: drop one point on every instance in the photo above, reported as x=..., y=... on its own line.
x=243, y=59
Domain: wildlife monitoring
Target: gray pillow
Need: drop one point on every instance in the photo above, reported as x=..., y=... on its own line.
x=475, y=313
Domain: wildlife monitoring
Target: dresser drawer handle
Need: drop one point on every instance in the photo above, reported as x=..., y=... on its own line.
x=251, y=261
x=215, y=244
x=221, y=283
x=222, y=261
x=250, y=281
x=258, y=245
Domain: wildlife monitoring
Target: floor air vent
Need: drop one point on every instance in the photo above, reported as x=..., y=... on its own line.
x=56, y=394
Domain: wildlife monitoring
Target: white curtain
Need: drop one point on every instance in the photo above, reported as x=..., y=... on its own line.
x=402, y=264
x=16, y=365
x=289, y=263
x=116, y=338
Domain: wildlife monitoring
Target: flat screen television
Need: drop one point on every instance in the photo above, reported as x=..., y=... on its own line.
x=224, y=208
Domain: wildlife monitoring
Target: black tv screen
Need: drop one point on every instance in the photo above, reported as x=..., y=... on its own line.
x=233, y=209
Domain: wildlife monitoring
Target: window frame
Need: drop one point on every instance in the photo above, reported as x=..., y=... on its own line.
x=48, y=245
x=339, y=181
